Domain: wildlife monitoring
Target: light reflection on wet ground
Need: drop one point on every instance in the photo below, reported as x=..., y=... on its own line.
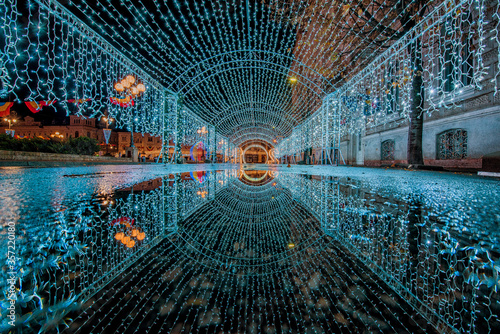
x=301, y=249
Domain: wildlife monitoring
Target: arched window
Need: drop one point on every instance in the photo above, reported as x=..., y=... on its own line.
x=387, y=150
x=452, y=144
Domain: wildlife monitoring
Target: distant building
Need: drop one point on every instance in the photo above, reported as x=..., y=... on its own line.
x=148, y=146
x=77, y=127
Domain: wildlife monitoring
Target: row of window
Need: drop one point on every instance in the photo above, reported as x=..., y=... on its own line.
x=138, y=139
x=450, y=144
x=88, y=122
x=45, y=134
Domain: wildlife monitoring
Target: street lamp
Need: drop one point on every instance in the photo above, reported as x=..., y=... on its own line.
x=202, y=131
x=126, y=87
x=9, y=131
x=107, y=131
x=202, y=193
x=10, y=121
x=107, y=120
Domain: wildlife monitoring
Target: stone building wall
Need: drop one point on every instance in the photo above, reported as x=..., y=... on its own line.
x=476, y=111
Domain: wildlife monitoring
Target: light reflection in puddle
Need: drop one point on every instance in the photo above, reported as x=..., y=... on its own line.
x=252, y=251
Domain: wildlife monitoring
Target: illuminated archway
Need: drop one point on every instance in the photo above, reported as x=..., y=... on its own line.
x=257, y=146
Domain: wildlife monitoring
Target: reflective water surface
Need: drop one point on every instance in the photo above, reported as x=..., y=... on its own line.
x=148, y=249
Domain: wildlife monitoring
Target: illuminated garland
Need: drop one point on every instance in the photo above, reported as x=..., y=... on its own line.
x=251, y=69
x=453, y=43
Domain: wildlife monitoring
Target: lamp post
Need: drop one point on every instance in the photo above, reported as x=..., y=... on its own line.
x=10, y=121
x=132, y=133
x=107, y=131
x=126, y=88
x=107, y=120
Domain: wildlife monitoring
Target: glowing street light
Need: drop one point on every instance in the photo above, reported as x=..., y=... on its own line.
x=107, y=120
x=9, y=131
x=57, y=135
x=203, y=130
x=10, y=121
x=107, y=131
x=126, y=86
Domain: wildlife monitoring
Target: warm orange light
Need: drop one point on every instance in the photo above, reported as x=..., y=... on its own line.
x=134, y=90
x=119, y=87
x=130, y=78
x=141, y=236
x=293, y=80
x=131, y=244
x=119, y=236
x=134, y=233
x=125, y=83
x=141, y=88
x=291, y=245
x=125, y=240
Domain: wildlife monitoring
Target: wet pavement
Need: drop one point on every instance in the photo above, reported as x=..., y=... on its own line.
x=257, y=249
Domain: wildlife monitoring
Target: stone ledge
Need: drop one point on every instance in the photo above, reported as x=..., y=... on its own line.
x=489, y=174
x=465, y=165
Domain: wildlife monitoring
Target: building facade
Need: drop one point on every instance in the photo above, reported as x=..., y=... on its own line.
x=148, y=146
x=464, y=125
